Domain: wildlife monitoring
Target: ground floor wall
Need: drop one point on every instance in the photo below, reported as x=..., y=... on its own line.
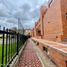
x=52, y=37
x=59, y=59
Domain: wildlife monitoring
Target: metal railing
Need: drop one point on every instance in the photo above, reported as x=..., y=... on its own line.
x=10, y=45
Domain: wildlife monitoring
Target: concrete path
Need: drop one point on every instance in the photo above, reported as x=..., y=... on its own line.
x=29, y=57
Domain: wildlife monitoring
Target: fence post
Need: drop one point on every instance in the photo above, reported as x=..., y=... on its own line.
x=3, y=47
x=6, y=44
x=17, y=42
x=0, y=27
x=9, y=48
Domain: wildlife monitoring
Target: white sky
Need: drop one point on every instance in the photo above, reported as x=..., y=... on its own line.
x=26, y=10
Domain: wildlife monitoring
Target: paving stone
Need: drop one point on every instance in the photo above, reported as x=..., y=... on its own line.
x=29, y=58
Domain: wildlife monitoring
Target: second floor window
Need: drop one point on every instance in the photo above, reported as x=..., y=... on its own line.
x=50, y=2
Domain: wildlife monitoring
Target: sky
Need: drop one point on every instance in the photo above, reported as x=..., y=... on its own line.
x=26, y=10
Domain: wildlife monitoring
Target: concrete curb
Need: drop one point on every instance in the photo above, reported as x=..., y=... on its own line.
x=43, y=57
x=38, y=56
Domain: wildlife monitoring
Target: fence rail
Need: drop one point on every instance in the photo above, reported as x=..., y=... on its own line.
x=10, y=45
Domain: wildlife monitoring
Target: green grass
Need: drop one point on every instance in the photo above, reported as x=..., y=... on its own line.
x=12, y=52
x=9, y=54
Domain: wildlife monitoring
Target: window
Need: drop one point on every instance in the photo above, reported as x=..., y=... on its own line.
x=50, y=2
x=66, y=15
x=39, y=32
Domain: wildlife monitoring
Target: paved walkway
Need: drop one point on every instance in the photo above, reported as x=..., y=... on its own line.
x=29, y=58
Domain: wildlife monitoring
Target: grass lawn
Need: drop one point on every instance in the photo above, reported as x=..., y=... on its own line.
x=11, y=49
x=10, y=52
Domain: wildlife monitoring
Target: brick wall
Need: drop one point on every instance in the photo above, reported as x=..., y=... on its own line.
x=38, y=29
x=53, y=21
x=57, y=57
x=64, y=18
x=55, y=28
x=56, y=51
x=43, y=10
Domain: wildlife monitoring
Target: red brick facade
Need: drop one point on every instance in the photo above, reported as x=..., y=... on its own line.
x=64, y=17
x=53, y=26
x=53, y=21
